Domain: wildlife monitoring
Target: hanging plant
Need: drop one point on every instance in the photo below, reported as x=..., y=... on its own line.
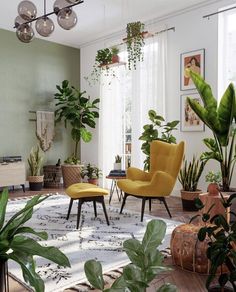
x=135, y=43
x=103, y=59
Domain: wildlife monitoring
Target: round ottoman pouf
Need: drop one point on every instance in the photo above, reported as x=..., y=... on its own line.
x=187, y=251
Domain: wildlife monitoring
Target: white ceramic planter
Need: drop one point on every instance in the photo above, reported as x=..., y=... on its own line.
x=117, y=166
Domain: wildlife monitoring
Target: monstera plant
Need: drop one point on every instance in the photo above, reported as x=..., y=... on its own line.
x=219, y=118
x=15, y=244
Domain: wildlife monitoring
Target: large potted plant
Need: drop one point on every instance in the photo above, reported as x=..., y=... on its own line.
x=17, y=246
x=77, y=110
x=157, y=130
x=219, y=118
x=221, y=252
x=189, y=176
x=146, y=262
x=35, y=162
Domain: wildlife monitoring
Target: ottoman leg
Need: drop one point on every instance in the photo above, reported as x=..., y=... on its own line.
x=70, y=206
x=95, y=208
x=105, y=211
x=78, y=214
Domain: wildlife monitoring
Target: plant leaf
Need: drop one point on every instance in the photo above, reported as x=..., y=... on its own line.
x=3, y=205
x=93, y=272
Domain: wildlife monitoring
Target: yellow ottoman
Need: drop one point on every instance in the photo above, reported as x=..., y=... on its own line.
x=85, y=192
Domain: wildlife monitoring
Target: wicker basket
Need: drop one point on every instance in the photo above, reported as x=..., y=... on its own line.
x=52, y=176
x=71, y=174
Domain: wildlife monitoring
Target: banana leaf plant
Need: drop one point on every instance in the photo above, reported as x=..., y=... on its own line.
x=146, y=263
x=17, y=246
x=219, y=119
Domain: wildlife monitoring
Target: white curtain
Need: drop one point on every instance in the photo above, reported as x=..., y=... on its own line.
x=110, y=120
x=148, y=91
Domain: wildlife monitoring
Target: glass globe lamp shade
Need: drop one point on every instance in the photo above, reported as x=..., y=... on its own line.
x=73, y=1
x=44, y=26
x=19, y=21
x=25, y=33
x=27, y=10
x=59, y=4
x=67, y=19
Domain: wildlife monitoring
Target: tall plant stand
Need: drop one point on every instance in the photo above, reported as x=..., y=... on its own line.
x=114, y=187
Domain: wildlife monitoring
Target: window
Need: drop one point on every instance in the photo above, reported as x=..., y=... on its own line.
x=227, y=50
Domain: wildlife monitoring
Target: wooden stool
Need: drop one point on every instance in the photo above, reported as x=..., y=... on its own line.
x=85, y=192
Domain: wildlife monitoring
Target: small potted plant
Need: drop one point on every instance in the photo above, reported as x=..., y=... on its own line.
x=115, y=57
x=91, y=173
x=221, y=236
x=189, y=176
x=117, y=164
x=35, y=162
x=214, y=179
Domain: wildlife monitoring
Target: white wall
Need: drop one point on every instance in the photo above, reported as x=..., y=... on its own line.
x=192, y=32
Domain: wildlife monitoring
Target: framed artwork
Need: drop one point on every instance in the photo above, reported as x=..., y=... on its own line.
x=189, y=121
x=195, y=61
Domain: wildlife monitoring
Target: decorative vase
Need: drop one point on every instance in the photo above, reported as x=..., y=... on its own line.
x=188, y=199
x=213, y=189
x=4, y=283
x=117, y=166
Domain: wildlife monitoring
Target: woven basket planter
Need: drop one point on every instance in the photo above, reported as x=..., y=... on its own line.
x=35, y=182
x=188, y=199
x=71, y=174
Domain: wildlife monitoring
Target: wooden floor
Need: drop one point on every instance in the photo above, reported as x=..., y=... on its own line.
x=185, y=281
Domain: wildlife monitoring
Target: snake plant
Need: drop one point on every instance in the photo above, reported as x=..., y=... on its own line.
x=17, y=246
x=219, y=118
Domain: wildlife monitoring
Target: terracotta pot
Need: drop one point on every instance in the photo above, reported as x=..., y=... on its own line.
x=217, y=288
x=115, y=59
x=213, y=189
x=93, y=181
x=188, y=199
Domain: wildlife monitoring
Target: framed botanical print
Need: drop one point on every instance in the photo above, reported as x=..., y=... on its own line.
x=195, y=61
x=189, y=121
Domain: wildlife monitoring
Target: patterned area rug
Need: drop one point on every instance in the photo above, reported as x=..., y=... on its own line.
x=93, y=240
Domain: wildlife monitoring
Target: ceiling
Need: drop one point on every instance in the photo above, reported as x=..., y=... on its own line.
x=97, y=18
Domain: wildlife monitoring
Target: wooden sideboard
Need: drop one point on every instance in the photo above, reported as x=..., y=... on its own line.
x=12, y=174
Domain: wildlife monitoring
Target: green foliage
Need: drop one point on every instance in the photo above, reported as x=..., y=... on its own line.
x=72, y=160
x=15, y=245
x=221, y=237
x=35, y=161
x=118, y=159
x=78, y=110
x=135, y=43
x=104, y=56
x=115, y=51
x=190, y=174
x=157, y=130
x=90, y=171
x=213, y=177
x=146, y=263
x=219, y=119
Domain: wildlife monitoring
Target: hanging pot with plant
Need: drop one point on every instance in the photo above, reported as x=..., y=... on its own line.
x=135, y=43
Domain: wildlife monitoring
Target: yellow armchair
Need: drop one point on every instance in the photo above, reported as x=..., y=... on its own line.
x=165, y=163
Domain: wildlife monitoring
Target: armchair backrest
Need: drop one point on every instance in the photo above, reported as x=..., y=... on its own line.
x=166, y=157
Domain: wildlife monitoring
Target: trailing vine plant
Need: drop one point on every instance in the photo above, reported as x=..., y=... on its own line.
x=135, y=43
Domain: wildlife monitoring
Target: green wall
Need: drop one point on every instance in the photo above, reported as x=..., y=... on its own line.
x=28, y=77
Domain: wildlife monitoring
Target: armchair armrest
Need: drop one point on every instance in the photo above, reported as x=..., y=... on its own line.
x=163, y=181
x=134, y=173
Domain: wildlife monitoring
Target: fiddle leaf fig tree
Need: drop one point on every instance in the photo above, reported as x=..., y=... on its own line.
x=157, y=130
x=74, y=108
x=219, y=119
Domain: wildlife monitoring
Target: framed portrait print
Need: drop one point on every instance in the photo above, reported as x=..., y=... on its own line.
x=195, y=61
x=189, y=121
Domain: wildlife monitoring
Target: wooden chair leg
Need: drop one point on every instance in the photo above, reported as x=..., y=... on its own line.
x=105, y=211
x=164, y=201
x=70, y=206
x=95, y=208
x=143, y=207
x=123, y=202
x=150, y=205
x=78, y=214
